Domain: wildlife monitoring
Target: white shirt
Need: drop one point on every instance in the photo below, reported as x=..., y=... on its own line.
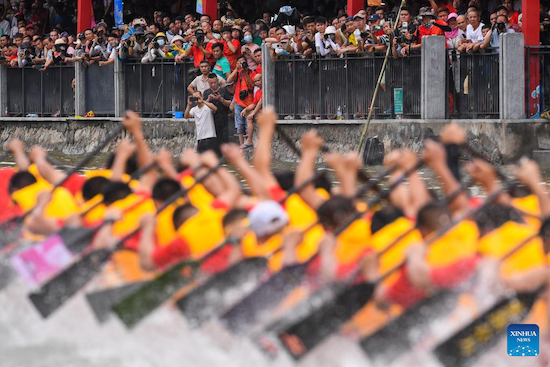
x=325, y=46
x=204, y=121
x=474, y=35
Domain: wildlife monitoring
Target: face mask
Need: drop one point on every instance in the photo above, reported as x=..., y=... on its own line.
x=248, y=39
x=217, y=36
x=160, y=42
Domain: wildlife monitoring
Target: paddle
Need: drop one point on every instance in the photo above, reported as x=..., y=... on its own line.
x=11, y=228
x=63, y=286
x=301, y=337
x=241, y=317
x=480, y=335
x=131, y=310
x=292, y=145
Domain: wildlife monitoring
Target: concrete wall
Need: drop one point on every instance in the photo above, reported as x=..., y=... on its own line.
x=499, y=141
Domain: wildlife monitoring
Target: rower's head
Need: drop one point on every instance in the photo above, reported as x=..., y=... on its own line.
x=385, y=216
x=115, y=191
x=94, y=186
x=432, y=217
x=335, y=211
x=235, y=224
x=285, y=179
x=20, y=180
x=495, y=215
x=183, y=213
x=131, y=163
x=164, y=189
x=267, y=219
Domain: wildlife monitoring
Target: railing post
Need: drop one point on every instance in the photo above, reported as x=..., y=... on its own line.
x=3, y=90
x=120, y=88
x=268, y=77
x=511, y=76
x=80, y=89
x=434, y=63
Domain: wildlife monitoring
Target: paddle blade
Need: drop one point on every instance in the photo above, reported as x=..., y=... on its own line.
x=102, y=301
x=133, y=308
x=77, y=238
x=257, y=305
x=480, y=335
x=395, y=339
x=222, y=291
x=64, y=285
x=10, y=230
x=326, y=319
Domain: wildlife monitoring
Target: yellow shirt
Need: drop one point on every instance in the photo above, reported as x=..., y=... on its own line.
x=457, y=244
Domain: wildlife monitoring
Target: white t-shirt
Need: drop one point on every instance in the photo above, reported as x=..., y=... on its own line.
x=325, y=46
x=474, y=35
x=204, y=120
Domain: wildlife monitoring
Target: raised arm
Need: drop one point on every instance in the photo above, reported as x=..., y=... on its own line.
x=266, y=121
x=235, y=156
x=124, y=151
x=311, y=144
x=16, y=147
x=529, y=174
x=39, y=157
x=231, y=189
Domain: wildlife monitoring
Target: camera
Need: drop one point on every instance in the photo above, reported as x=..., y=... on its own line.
x=365, y=35
x=243, y=94
x=501, y=26
x=244, y=65
x=194, y=99
x=81, y=37
x=200, y=40
x=156, y=44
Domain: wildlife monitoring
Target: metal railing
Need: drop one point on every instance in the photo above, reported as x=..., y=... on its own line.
x=473, y=82
x=154, y=89
x=319, y=87
x=41, y=93
x=537, y=80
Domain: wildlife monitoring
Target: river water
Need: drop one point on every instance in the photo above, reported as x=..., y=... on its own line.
x=72, y=337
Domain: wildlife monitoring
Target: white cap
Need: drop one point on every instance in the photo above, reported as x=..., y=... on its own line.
x=330, y=30
x=267, y=217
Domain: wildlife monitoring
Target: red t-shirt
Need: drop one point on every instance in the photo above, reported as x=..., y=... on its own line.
x=257, y=96
x=241, y=85
x=232, y=56
x=258, y=69
x=423, y=31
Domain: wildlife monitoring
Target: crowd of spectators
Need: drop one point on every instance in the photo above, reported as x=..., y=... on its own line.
x=226, y=52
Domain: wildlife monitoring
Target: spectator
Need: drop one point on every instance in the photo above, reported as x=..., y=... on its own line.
x=503, y=10
x=443, y=14
x=327, y=45
x=460, y=6
x=343, y=33
x=203, y=114
x=492, y=37
x=155, y=48
x=513, y=15
x=136, y=45
x=427, y=27
x=251, y=111
x=200, y=49
x=221, y=98
x=112, y=49
x=178, y=46
x=24, y=57
x=361, y=29
x=493, y=17
x=200, y=83
x=207, y=29
x=404, y=17
x=18, y=39
x=58, y=56
x=217, y=25
x=473, y=30
x=306, y=44
x=258, y=60
x=231, y=47
x=243, y=94
x=455, y=35
x=222, y=67
x=248, y=50
x=545, y=30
